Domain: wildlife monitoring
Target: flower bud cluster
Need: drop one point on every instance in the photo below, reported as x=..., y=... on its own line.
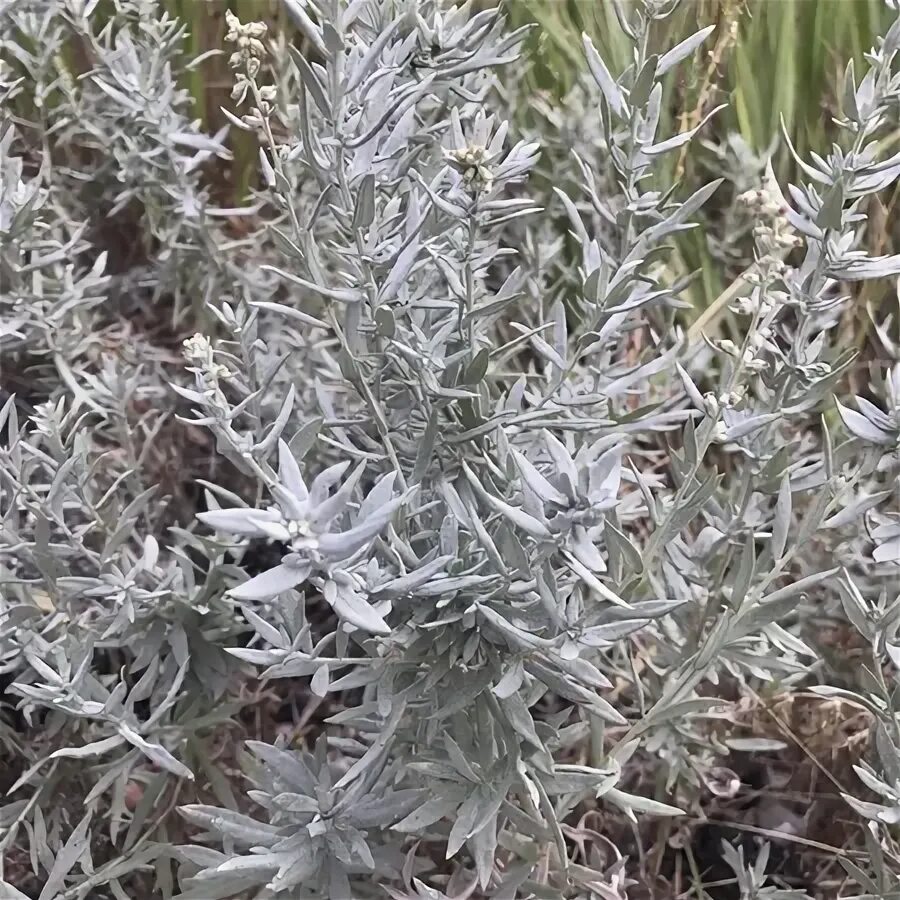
x=473, y=163
x=247, y=61
x=248, y=40
x=773, y=234
x=199, y=350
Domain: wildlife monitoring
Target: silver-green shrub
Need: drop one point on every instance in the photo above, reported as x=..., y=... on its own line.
x=428, y=447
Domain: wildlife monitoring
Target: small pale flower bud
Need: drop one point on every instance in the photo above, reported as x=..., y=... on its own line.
x=711, y=405
x=745, y=306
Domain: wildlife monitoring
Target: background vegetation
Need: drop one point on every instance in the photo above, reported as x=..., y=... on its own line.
x=770, y=61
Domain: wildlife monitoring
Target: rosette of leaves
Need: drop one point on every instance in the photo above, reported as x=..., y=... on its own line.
x=307, y=521
x=316, y=828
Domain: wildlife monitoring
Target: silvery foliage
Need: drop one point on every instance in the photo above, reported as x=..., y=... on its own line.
x=526, y=528
x=516, y=530
x=111, y=644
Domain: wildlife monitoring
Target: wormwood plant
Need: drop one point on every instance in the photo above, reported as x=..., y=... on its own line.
x=534, y=561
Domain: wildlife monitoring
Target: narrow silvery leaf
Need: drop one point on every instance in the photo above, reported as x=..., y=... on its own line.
x=364, y=211
x=406, y=583
x=291, y=313
x=257, y=657
x=297, y=11
x=464, y=823
x=517, y=636
x=560, y=330
x=537, y=482
x=151, y=553
x=687, y=209
x=339, y=295
x=345, y=544
x=743, y=573
x=370, y=761
x=8, y=892
x=396, y=108
x=683, y=50
x=269, y=173
x=865, y=269
x=624, y=545
x=605, y=710
x=483, y=847
x=594, y=583
x=353, y=608
x=563, y=461
x=452, y=585
x=427, y=814
x=630, y=803
x=262, y=863
x=748, y=426
x=831, y=213
x=678, y=140
x=477, y=368
x=643, y=83
x=95, y=748
x=325, y=481
x=691, y=389
x=574, y=217
x=604, y=79
x=329, y=508
x=156, y=753
x=577, y=779
x=860, y=426
x=855, y=606
x=511, y=681
x=381, y=493
x=548, y=352
x=776, y=604
x=264, y=629
x=854, y=511
x=242, y=828
x=319, y=682
x=372, y=55
x=278, y=426
x=889, y=551
x=379, y=812
x=782, y=522
x=289, y=472
x=311, y=81
x=518, y=517
x=271, y=583
x=66, y=858
x=874, y=414
x=601, y=635
x=585, y=550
